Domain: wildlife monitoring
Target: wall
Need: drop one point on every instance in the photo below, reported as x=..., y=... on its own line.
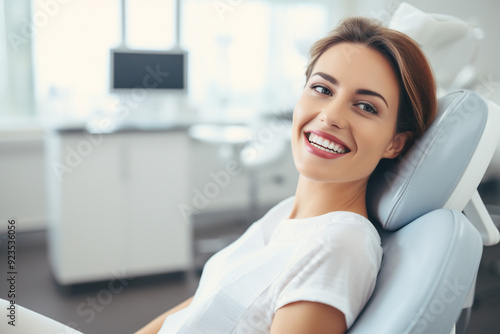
x=479, y=13
x=22, y=180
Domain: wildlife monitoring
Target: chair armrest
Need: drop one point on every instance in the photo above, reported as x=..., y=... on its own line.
x=477, y=214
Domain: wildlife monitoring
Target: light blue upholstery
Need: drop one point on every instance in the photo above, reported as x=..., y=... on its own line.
x=431, y=255
x=427, y=271
x=425, y=178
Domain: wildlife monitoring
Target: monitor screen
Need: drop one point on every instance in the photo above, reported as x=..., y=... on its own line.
x=147, y=69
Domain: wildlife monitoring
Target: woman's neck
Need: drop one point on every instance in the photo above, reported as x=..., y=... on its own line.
x=317, y=198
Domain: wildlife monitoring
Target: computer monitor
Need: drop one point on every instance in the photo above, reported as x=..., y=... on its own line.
x=154, y=70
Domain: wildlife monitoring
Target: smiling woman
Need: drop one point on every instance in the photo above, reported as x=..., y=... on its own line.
x=417, y=101
x=351, y=101
x=310, y=264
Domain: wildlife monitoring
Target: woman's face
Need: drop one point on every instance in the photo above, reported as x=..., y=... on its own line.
x=345, y=119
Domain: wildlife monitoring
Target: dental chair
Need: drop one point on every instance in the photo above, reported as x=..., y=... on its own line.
x=431, y=249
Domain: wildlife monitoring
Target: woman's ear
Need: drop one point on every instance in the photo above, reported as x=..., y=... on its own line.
x=397, y=144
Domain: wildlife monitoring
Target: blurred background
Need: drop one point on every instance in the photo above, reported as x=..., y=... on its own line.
x=138, y=137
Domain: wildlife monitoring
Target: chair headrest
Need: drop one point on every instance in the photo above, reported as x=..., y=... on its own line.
x=405, y=188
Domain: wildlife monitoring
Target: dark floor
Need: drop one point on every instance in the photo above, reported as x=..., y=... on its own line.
x=144, y=298
x=140, y=301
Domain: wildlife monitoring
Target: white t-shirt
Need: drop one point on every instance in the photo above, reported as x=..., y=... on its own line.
x=332, y=259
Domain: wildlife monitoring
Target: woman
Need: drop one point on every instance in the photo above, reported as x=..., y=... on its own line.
x=310, y=264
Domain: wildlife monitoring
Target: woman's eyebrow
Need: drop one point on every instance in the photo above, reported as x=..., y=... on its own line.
x=327, y=77
x=370, y=92
x=334, y=81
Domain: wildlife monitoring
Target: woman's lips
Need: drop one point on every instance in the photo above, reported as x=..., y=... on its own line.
x=327, y=140
x=324, y=145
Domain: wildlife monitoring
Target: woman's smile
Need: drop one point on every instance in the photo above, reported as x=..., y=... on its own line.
x=324, y=145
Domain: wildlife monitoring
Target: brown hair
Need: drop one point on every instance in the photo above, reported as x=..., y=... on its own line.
x=417, y=102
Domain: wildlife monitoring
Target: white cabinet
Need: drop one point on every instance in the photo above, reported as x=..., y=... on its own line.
x=114, y=204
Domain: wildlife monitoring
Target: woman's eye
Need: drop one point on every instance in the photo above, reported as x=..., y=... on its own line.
x=321, y=89
x=368, y=107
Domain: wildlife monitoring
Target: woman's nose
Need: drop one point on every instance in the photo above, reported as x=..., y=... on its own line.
x=334, y=114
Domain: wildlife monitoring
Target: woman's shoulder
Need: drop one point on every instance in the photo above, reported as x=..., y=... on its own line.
x=335, y=224
x=351, y=233
x=345, y=223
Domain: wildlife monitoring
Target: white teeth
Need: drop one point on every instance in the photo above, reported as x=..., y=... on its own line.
x=325, y=144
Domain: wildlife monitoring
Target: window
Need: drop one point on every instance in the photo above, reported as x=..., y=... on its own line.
x=72, y=56
x=17, y=28
x=250, y=56
x=3, y=59
x=150, y=24
x=73, y=51
x=247, y=58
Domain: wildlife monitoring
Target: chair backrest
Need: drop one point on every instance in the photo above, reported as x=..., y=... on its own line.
x=428, y=269
x=443, y=168
x=429, y=266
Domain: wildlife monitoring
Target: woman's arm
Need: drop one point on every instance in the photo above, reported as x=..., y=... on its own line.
x=304, y=317
x=155, y=325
